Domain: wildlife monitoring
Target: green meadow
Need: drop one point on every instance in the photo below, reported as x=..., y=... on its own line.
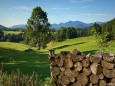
x=12, y=32
x=13, y=55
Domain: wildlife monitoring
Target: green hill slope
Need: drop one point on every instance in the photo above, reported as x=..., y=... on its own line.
x=84, y=44
x=13, y=55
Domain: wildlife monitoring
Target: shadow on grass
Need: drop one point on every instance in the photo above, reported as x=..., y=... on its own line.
x=90, y=51
x=27, y=62
x=64, y=46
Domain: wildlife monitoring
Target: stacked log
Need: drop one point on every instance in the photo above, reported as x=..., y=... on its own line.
x=78, y=69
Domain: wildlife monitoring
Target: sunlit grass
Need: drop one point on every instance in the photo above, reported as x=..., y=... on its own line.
x=12, y=32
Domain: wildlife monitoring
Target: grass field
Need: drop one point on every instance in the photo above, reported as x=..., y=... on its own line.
x=13, y=55
x=12, y=32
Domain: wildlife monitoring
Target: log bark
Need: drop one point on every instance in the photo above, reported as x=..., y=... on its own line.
x=82, y=79
x=85, y=63
x=107, y=65
x=78, y=66
x=96, y=68
x=86, y=71
x=94, y=79
x=102, y=83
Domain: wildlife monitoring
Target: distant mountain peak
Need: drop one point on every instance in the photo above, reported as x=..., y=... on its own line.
x=78, y=24
x=18, y=26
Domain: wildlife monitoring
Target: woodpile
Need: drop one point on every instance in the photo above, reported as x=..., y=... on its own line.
x=78, y=69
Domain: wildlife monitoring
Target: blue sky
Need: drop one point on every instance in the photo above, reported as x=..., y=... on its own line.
x=14, y=12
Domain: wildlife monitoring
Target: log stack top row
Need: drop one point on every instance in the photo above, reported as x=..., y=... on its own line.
x=79, y=69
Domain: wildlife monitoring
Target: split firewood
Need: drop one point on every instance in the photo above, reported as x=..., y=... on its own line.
x=59, y=81
x=88, y=56
x=76, y=52
x=75, y=73
x=53, y=62
x=59, y=61
x=105, y=54
x=76, y=84
x=72, y=79
x=85, y=63
x=109, y=57
x=107, y=65
x=55, y=71
x=82, y=79
x=96, y=68
x=86, y=71
x=64, y=53
x=101, y=76
x=68, y=72
x=78, y=66
x=90, y=84
x=102, y=83
x=95, y=59
x=113, y=73
x=65, y=80
x=96, y=85
x=99, y=54
x=113, y=80
x=62, y=69
x=51, y=53
x=61, y=73
x=77, y=58
x=59, y=77
x=94, y=79
x=107, y=73
x=68, y=63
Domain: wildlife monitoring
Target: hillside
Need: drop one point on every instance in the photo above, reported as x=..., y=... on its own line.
x=23, y=26
x=3, y=27
x=13, y=55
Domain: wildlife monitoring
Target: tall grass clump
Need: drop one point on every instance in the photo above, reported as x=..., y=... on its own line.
x=18, y=79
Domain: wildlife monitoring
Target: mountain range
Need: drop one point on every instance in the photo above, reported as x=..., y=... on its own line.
x=77, y=24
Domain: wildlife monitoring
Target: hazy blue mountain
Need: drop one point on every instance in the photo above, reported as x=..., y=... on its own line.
x=77, y=24
x=3, y=27
x=18, y=26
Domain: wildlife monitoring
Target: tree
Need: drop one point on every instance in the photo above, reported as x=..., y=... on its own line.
x=1, y=35
x=37, y=28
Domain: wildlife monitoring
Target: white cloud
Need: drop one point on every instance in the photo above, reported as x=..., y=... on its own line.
x=80, y=1
x=23, y=8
